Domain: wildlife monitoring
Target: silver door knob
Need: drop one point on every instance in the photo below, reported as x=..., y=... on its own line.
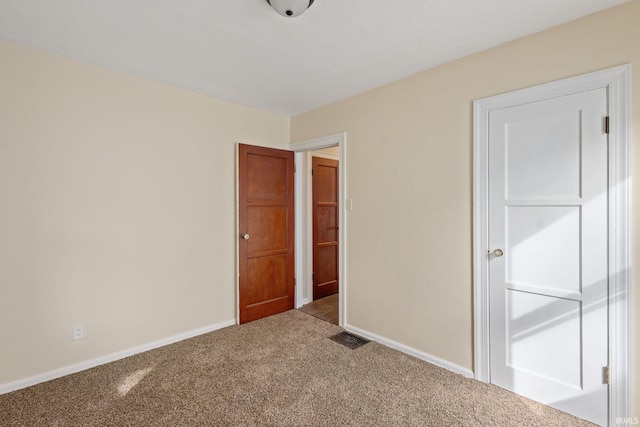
x=497, y=253
x=245, y=236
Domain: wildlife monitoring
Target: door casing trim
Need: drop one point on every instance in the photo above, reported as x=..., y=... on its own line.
x=617, y=81
x=302, y=184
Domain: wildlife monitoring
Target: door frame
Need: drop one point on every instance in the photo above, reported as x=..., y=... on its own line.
x=617, y=81
x=304, y=250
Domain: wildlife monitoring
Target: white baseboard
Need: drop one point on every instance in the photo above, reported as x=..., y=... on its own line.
x=72, y=369
x=303, y=301
x=411, y=351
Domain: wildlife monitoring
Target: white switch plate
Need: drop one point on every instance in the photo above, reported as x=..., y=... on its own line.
x=348, y=204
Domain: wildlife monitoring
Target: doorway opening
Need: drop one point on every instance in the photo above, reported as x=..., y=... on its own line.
x=324, y=206
x=329, y=306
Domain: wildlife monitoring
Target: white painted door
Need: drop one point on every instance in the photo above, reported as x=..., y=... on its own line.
x=548, y=214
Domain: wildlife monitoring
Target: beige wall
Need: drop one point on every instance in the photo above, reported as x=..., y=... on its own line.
x=331, y=151
x=117, y=209
x=409, y=160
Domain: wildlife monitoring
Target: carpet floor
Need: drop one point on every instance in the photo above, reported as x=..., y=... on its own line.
x=278, y=371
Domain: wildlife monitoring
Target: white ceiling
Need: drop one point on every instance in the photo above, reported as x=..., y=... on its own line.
x=243, y=51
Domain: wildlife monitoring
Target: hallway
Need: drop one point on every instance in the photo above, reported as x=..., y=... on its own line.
x=324, y=308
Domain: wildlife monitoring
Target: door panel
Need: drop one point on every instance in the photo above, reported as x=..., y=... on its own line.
x=537, y=142
x=327, y=224
x=325, y=227
x=266, y=225
x=327, y=264
x=561, y=342
x=266, y=269
x=548, y=212
x=272, y=218
x=532, y=231
x=266, y=176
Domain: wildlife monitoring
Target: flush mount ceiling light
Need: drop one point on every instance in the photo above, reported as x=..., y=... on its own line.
x=290, y=8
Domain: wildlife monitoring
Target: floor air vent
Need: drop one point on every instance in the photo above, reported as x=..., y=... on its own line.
x=349, y=340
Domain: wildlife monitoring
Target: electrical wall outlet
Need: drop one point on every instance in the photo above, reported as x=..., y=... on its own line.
x=78, y=332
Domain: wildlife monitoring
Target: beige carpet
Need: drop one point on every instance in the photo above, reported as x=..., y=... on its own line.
x=279, y=371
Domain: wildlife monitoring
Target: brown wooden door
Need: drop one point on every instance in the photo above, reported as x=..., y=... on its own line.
x=325, y=227
x=266, y=221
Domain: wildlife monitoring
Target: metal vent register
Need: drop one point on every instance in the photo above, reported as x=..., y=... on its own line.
x=349, y=340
